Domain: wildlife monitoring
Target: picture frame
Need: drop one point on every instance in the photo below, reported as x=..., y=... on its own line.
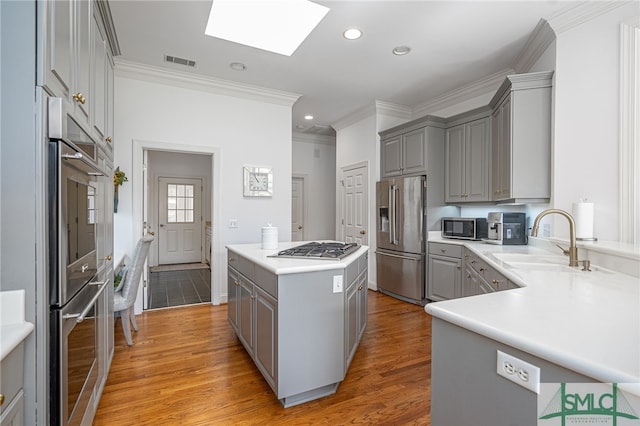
x=257, y=181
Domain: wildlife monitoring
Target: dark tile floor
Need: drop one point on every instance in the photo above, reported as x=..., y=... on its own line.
x=177, y=288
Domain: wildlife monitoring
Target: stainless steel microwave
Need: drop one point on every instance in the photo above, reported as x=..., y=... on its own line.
x=464, y=228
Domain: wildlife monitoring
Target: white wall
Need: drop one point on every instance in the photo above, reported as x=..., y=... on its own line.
x=314, y=158
x=240, y=130
x=357, y=142
x=586, y=133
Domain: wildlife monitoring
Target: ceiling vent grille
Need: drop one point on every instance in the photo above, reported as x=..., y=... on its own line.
x=180, y=61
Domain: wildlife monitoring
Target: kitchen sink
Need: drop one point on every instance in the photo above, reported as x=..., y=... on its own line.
x=524, y=258
x=539, y=262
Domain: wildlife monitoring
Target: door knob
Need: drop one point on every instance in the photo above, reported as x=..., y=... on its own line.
x=362, y=232
x=151, y=233
x=299, y=227
x=162, y=225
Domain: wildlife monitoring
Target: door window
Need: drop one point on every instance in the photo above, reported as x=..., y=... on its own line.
x=180, y=203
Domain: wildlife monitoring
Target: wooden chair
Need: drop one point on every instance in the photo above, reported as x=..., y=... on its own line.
x=124, y=298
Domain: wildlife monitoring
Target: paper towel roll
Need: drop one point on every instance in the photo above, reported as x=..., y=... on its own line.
x=583, y=216
x=269, y=237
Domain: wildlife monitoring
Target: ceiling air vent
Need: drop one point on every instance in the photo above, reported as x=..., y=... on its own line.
x=180, y=61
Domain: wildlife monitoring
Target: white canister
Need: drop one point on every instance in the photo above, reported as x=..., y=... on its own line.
x=269, y=237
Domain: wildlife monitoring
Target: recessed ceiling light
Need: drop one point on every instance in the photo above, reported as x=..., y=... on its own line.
x=273, y=25
x=401, y=50
x=237, y=66
x=308, y=117
x=352, y=34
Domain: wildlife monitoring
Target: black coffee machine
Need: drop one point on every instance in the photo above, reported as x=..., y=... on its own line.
x=507, y=228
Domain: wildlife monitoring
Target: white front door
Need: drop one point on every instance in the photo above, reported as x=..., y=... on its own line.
x=355, y=199
x=297, y=209
x=179, y=220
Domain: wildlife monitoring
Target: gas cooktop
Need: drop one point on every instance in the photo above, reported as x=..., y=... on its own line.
x=315, y=250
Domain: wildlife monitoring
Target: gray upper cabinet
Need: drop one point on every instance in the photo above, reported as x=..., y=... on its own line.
x=77, y=44
x=521, y=141
x=404, y=148
x=467, y=160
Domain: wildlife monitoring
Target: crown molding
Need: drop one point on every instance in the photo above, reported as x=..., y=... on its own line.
x=393, y=110
x=298, y=137
x=376, y=107
x=537, y=43
x=582, y=12
x=354, y=117
x=463, y=93
x=148, y=73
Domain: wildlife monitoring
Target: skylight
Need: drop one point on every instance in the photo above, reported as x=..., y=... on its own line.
x=278, y=26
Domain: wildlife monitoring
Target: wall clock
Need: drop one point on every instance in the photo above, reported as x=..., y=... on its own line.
x=258, y=181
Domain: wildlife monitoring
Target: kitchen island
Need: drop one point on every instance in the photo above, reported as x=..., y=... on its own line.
x=300, y=320
x=576, y=326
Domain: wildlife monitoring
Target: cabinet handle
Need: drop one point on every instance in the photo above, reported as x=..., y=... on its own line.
x=443, y=250
x=481, y=269
x=107, y=258
x=458, y=267
x=362, y=232
x=79, y=97
x=108, y=139
x=151, y=233
x=360, y=288
x=496, y=282
x=497, y=191
x=1, y=399
x=473, y=261
x=235, y=282
x=253, y=297
x=468, y=276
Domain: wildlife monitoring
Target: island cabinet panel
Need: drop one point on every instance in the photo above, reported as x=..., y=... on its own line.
x=266, y=331
x=294, y=325
x=463, y=368
x=233, y=297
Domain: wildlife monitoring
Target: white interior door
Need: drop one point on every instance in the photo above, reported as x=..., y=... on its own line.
x=179, y=220
x=145, y=226
x=355, y=199
x=297, y=209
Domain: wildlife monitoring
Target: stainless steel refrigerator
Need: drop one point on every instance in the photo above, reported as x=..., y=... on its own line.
x=401, y=224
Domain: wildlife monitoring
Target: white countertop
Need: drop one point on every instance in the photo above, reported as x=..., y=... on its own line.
x=588, y=322
x=283, y=265
x=13, y=328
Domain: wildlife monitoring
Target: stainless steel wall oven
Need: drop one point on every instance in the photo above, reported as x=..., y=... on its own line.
x=74, y=182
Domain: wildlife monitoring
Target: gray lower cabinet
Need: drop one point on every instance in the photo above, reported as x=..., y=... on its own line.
x=481, y=277
x=445, y=264
x=467, y=160
x=299, y=332
x=12, y=374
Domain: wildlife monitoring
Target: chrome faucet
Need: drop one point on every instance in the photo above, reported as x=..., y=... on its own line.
x=573, y=250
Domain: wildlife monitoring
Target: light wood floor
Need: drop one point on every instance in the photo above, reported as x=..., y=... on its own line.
x=187, y=368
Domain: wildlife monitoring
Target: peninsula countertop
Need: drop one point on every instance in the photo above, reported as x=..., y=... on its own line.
x=282, y=266
x=588, y=322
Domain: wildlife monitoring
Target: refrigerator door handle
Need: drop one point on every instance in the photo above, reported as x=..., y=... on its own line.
x=393, y=235
x=415, y=259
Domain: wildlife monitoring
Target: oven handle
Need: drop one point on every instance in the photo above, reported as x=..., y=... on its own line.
x=80, y=317
x=79, y=156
